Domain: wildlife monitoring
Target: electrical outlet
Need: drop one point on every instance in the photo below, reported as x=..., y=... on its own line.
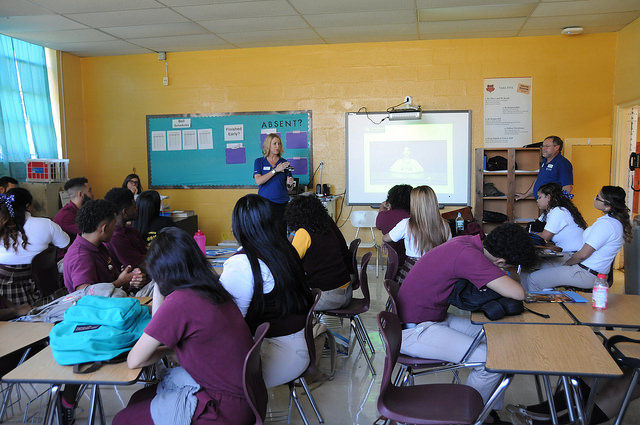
x=165, y=81
x=321, y=164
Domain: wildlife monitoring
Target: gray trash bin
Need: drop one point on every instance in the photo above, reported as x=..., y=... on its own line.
x=632, y=263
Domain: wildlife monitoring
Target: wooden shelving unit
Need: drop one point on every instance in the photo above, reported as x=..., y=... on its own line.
x=510, y=182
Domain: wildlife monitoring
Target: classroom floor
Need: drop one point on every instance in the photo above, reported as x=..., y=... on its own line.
x=350, y=398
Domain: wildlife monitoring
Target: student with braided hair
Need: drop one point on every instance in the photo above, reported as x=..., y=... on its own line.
x=22, y=237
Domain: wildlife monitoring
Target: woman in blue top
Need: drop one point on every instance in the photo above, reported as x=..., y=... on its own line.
x=272, y=176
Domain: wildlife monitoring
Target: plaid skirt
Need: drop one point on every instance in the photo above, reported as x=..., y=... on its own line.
x=409, y=262
x=17, y=285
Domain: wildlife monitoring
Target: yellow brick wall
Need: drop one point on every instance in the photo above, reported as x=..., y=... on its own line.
x=572, y=96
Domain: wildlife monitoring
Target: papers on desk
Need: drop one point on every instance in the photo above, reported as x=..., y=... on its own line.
x=554, y=297
x=220, y=251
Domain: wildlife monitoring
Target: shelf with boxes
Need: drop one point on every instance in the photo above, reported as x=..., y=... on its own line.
x=500, y=174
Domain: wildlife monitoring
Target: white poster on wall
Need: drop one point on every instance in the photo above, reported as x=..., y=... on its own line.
x=507, y=112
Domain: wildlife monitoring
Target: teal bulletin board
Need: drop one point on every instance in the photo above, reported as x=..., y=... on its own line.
x=218, y=150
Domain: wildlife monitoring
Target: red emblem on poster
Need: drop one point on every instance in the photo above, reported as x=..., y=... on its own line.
x=490, y=88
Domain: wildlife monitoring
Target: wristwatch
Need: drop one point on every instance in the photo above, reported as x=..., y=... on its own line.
x=273, y=170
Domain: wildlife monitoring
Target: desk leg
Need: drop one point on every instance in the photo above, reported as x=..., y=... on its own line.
x=506, y=380
x=552, y=405
x=627, y=397
x=567, y=395
x=5, y=399
x=578, y=399
x=588, y=410
x=92, y=408
x=473, y=345
x=53, y=405
x=100, y=407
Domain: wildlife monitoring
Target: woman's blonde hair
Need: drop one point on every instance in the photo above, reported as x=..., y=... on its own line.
x=267, y=144
x=426, y=226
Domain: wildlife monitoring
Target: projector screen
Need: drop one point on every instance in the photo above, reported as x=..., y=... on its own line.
x=434, y=150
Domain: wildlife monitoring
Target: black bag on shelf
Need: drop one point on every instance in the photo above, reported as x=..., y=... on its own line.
x=498, y=163
x=493, y=217
x=489, y=189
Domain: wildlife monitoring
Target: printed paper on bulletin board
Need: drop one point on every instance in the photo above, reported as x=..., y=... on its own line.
x=218, y=150
x=507, y=112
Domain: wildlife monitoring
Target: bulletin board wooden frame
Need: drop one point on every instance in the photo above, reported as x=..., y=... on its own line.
x=213, y=164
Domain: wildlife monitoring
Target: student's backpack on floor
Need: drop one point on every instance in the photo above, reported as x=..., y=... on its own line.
x=98, y=330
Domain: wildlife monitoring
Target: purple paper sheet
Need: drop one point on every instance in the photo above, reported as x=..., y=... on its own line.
x=296, y=140
x=300, y=166
x=235, y=156
x=264, y=136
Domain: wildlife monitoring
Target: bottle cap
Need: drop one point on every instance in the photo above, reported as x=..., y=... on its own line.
x=602, y=276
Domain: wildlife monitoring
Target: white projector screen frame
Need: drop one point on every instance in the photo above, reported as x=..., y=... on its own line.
x=444, y=147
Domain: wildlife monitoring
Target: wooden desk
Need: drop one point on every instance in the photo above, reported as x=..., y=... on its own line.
x=547, y=350
x=144, y=300
x=622, y=311
x=42, y=368
x=17, y=335
x=559, y=316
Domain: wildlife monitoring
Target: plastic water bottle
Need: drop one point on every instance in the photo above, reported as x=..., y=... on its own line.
x=201, y=240
x=459, y=224
x=600, y=293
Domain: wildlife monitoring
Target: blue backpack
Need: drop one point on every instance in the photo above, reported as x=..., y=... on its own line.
x=98, y=330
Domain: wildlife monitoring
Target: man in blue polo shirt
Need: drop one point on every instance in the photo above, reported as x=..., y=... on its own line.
x=554, y=169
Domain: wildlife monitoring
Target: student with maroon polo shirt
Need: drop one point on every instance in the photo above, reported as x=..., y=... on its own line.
x=79, y=191
x=432, y=333
x=194, y=316
x=323, y=251
x=126, y=244
x=392, y=211
x=87, y=260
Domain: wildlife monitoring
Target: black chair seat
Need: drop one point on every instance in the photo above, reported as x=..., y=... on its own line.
x=417, y=362
x=356, y=306
x=436, y=404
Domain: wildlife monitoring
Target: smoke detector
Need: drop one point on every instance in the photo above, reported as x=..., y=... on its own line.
x=572, y=30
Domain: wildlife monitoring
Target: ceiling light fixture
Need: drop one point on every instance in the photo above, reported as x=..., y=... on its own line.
x=571, y=30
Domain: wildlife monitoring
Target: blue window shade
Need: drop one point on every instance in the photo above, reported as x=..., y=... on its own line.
x=23, y=65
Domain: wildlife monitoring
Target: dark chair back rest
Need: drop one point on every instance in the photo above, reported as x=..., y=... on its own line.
x=353, y=254
x=44, y=270
x=308, y=331
x=392, y=288
x=391, y=331
x=255, y=391
x=364, y=280
x=392, y=262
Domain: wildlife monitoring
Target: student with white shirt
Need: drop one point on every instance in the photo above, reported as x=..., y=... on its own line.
x=564, y=224
x=424, y=229
x=601, y=243
x=267, y=281
x=22, y=237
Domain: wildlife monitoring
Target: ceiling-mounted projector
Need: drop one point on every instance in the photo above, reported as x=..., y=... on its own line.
x=571, y=30
x=400, y=115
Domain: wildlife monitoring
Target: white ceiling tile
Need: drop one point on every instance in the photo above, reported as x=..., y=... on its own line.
x=272, y=35
x=481, y=34
x=559, y=22
x=172, y=3
x=585, y=7
x=182, y=43
x=100, y=48
x=17, y=24
x=64, y=36
x=362, y=18
x=341, y=6
x=408, y=30
x=252, y=24
x=249, y=9
x=277, y=43
x=475, y=12
x=476, y=25
x=156, y=30
x=131, y=17
x=370, y=37
x=426, y=4
x=527, y=32
x=87, y=6
x=21, y=8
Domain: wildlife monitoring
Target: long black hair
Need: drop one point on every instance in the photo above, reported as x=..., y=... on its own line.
x=148, y=204
x=614, y=196
x=557, y=199
x=257, y=230
x=130, y=177
x=307, y=212
x=13, y=210
x=174, y=262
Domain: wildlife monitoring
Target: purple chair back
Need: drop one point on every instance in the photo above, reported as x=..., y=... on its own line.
x=364, y=280
x=391, y=331
x=308, y=332
x=392, y=262
x=253, y=385
x=392, y=288
x=353, y=254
